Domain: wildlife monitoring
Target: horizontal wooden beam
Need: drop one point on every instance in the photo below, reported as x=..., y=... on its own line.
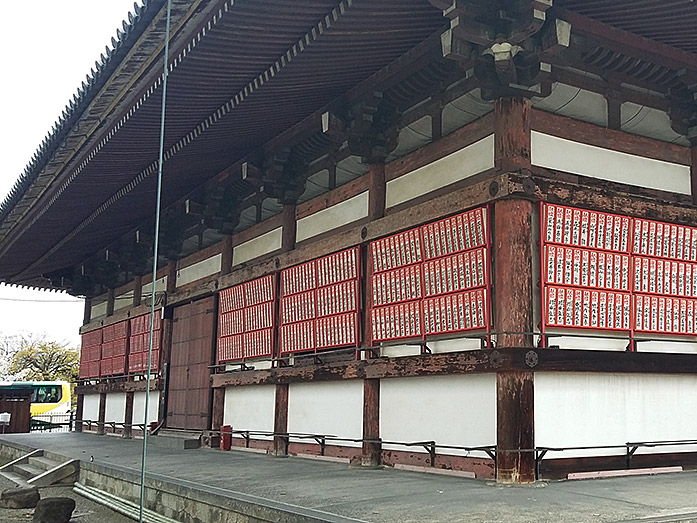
x=119, y=386
x=466, y=362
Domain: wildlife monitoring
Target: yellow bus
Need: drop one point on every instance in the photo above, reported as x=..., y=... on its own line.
x=48, y=397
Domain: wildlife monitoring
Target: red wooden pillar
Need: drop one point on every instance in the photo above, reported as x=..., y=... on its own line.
x=218, y=408
x=372, y=451
x=377, y=191
x=128, y=415
x=171, y=276
x=513, y=322
x=280, y=421
x=512, y=134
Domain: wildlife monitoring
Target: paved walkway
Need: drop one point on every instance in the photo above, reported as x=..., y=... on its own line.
x=392, y=495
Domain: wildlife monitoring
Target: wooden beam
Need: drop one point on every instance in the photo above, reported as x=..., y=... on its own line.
x=280, y=420
x=372, y=452
x=513, y=314
x=512, y=133
x=377, y=191
x=119, y=386
x=128, y=415
x=515, y=436
x=165, y=358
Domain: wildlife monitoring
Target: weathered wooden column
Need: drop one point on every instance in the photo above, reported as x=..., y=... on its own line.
x=128, y=415
x=110, y=302
x=87, y=315
x=512, y=133
x=693, y=170
x=290, y=227
x=372, y=450
x=137, y=290
x=280, y=421
x=171, y=276
x=102, y=413
x=79, y=412
x=218, y=413
x=226, y=255
x=513, y=296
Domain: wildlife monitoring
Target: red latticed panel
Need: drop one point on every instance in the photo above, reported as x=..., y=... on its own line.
x=246, y=317
x=139, y=343
x=297, y=337
x=320, y=303
x=90, y=354
x=105, y=367
x=397, y=321
x=419, y=277
x=626, y=274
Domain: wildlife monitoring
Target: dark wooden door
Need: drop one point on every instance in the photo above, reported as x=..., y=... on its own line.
x=193, y=342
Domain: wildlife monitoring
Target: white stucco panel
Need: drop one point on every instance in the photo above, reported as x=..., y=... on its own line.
x=457, y=166
x=450, y=410
x=333, y=217
x=263, y=244
x=199, y=270
x=596, y=162
x=331, y=408
x=250, y=408
x=90, y=407
x=585, y=409
x=139, y=407
x=160, y=285
x=115, y=407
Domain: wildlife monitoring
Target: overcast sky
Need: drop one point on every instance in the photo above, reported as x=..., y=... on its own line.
x=46, y=49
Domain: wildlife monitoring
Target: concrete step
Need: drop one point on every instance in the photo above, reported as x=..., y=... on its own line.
x=176, y=439
x=27, y=470
x=14, y=477
x=43, y=463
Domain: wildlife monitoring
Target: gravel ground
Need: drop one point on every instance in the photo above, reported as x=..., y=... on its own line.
x=86, y=511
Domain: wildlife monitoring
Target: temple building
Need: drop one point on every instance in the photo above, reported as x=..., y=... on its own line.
x=437, y=233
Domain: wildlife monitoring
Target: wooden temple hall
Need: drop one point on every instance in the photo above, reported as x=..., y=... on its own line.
x=442, y=233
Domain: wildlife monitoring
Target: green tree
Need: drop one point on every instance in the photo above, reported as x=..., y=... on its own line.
x=45, y=361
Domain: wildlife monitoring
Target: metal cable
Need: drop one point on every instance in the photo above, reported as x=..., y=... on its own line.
x=156, y=247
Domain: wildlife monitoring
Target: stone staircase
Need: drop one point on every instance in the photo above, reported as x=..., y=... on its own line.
x=41, y=470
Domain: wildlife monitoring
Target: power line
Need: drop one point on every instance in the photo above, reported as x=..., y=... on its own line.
x=40, y=301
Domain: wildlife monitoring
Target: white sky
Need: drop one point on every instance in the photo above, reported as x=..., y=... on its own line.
x=46, y=49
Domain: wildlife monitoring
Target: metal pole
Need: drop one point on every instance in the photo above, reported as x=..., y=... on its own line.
x=156, y=249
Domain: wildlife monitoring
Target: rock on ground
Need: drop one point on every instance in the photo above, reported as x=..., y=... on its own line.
x=19, y=497
x=54, y=510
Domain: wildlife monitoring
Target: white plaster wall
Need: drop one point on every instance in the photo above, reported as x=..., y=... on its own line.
x=586, y=409
x=139, y=406
x=331, y=408
x=258, y=246
x=123, y=301
x=115, y=407
x=160, y=285
x=90, y=407
x=250, y=408
x=565, y=155
x=650, y=122
x=98, y=310
x=450, y=410
x=457, y=166
x=333, y=217
x=684, y=347
x=199, y=270
x=575, y=103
